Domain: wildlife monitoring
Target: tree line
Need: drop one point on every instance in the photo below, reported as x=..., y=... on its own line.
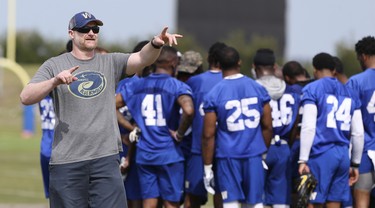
x=33, y=48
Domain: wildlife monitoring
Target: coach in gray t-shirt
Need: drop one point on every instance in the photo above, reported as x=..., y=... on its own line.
x=84, y=162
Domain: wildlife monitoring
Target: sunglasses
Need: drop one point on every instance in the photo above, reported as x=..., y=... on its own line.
x=86, y=29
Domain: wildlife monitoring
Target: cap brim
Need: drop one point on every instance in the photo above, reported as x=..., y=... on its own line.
x=98, y=22
x=186, y=69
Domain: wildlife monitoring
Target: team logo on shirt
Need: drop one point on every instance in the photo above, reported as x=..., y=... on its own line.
x=90, y=84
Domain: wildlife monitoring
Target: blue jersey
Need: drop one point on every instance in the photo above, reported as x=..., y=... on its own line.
x=121, y=85
x=335, y=104
x=285, y=111
x=124, y=110
x=200, y=85
x=47, y=117
x=238, y=104
x=152, y=102
x=364, y=86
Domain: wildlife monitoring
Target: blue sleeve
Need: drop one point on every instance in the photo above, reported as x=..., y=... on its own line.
x=308, y=96
x=184, y=89
x=209, y=103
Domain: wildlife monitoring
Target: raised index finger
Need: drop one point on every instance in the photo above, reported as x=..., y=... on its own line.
x=164, y=32
x=73, y=69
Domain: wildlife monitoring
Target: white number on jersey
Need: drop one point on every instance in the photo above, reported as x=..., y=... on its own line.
x=371, y=105
x=242, y=107
x=47, y=115
x=282, y=115
x=339, y=113
x=152, y=110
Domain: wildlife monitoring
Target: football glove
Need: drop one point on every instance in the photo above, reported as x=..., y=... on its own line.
x=134, y=135
x=208, y=179
x=123, y=166
x=305, y=186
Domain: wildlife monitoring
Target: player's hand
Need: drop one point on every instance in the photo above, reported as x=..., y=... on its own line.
x=208, y=179
x=303, y=168
x=165, y=37
x=176, y=136
x=124, y=166
x=353, y=176
x=66, y=76
x=134, y=135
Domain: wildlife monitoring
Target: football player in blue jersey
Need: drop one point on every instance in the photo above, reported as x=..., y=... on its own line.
x=128, y=170
x=47, y=117
x=237, y=131
x=364, y=86
x=127, y=125
x=295, y=77
x=201, y=84
x=191, y=63
x=284, y=104
x=331, y=118
x=154, y=104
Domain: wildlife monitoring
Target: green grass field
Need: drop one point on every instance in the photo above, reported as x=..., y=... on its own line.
x=20, y=174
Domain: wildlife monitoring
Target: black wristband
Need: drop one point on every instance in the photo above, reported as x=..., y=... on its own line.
x=354, y=165
x=155, y=46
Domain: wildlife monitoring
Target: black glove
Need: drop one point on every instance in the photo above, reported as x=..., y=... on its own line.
x=305, y=186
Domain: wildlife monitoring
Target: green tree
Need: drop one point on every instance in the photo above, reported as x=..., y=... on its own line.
x=348, y=57
x=31, y=47
x=247, y=48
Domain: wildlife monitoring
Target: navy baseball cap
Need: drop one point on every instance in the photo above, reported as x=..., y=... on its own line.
x=81, y=19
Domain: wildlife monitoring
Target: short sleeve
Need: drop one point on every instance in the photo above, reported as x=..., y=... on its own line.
x=308, y=96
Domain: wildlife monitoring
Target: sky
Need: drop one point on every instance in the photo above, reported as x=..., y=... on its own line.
x=313, y=26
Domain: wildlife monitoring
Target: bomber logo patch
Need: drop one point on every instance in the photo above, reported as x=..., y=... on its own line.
x=90, y=84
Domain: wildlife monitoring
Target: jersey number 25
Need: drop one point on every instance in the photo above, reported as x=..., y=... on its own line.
x=241, y=107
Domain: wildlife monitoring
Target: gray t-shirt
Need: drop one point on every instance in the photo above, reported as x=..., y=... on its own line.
x=86, y=124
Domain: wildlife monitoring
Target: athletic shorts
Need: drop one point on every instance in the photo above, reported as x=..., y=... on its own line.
x=366, y=165
x=92, y=183
x=131, y=183
x=348, y=203
x=194, y=176
x=278, y=177
x=165, y=181
x=241, y=179
x=331, y=169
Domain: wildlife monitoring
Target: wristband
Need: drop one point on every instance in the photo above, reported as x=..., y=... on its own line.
x=155, y=46
x=354, y=165
x=302, y=162
x=207, y=168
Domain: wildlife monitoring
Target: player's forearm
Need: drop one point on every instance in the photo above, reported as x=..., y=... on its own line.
x=123, y=122
x=357, y=137
x=308, y=130
x=131, y=149
x=266, y=124
x=185, y=123
x=208, y=144
x=294, y=131
x=186, y=103
x=145, y=57
x=208, y=137
x=35, y=92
